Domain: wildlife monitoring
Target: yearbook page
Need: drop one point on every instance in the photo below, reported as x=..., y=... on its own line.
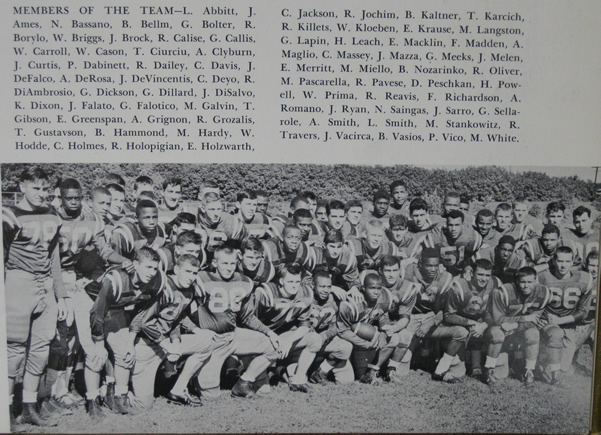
x=339, y=216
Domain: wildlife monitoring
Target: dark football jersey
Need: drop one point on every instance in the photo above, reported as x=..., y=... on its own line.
x=264, y=272
x=277, y=254
x=169, y=258
x=535, y=254
x=465, y=301
x=405, y=295
x=119, y=301
x=258, y=226
x=352, y=312
x=505, y=272
x=454, y=253
x=279, y=312
x=30, y=237
x=432, y=295
x=87, y=229
x=367, y=258
x=343, y=269
x=127, y=239
x=163, y=318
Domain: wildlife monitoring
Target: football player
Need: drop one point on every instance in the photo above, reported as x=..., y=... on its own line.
x=381, y=203
x=312, y=201
x=464, y=207
x=159, y=338
x=405, y=295
x=121, y=303
x=421, y=221
x=504, y=258
x=352, y=226
x=117, y=208
x=506, y=227
x=427, y=313
x=398, y=233
x=35, y=295
x=262, y=201
x=82, y=229
x=399, y=195
x=555, y=214
x=257, y=224
x=515, y=309
x=252, y=262
x=456, y=243
x=464, y=317
x=336, y=213
x=564, y=323
x=452, y=201
x=335, y=351
x=540, y=251
x=373, y=308
x=143, y=184
x=218, y=226
x=171, y=203
x=285, y=308
x=335, y=259
x=222, y=306
x=584, y=237
x=320, y=211
x=484, y=226
x=129, y=237
x=187, y=242
x=312, y=231
x=280, y=221
x=370, y=250
x=289, y=250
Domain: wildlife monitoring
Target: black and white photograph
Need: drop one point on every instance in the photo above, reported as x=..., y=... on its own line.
x=299, y=297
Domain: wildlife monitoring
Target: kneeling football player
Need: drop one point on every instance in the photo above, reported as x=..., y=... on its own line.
x=285, y=308
x=159, y=338
x=324, y=311
x=122, y=302
x=515, y=310
x=361, y=322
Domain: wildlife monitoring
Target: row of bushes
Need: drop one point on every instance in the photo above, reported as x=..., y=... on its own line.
x=484, y=184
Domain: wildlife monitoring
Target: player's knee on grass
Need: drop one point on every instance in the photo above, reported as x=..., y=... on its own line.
x=531, y=336
x=554, y=335
x=495, y=335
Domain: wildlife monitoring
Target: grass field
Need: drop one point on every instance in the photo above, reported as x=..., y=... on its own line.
x=416, y=404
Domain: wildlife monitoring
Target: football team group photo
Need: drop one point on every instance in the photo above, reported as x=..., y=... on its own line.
x=203, y=297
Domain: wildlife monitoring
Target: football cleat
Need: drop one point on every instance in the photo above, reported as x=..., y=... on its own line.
x=529, y=379
x=184, y=399
x=109, y=398
x=301, y=388
x=391, y=375
x=489, y=376
x=121, y=404
x=370, y=377
x=243, y=389
x=50, y=407
x=319, y=377
x=94, y=409
x=30, y=415
x=476, y=373
x=446, y=377
x=555, y=378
